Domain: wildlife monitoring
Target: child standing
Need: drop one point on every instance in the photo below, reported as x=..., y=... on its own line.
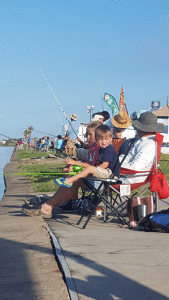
x=107, y=157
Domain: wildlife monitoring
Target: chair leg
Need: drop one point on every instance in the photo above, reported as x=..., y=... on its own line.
x=91, y=213
x=115, y=211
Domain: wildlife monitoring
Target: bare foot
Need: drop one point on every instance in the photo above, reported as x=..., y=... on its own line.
x=45, y=208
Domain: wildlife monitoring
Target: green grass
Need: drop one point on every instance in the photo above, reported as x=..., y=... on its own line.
x=164, y=165
x=42, y=183
x=27, y=153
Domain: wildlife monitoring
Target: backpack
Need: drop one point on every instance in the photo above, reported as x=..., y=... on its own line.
x=158, y=222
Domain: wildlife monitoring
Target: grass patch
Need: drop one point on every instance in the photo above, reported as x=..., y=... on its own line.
x=164, y=165
x=27, y=153
x=42, y=183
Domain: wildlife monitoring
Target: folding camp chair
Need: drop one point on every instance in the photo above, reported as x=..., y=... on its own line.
x=101, y=196
x=116, y=203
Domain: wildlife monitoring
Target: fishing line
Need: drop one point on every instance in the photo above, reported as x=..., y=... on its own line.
x=5, y=136
x=58, y=102
x=42, y=132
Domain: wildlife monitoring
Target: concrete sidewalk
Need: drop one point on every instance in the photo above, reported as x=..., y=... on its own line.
x=28, y=269
x=110, y=261
x=106, y=261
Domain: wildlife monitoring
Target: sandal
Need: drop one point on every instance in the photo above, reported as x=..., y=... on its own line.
x=62, y=182
x=30, y=204
x=36, y=212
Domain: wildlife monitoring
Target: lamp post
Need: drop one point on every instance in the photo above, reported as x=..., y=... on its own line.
x=89, y=109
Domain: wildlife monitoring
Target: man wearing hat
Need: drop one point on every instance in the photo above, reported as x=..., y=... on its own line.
x=122, y=129
x=73, y=117
x=71, y=139
x=141, y=155
x=121, y=124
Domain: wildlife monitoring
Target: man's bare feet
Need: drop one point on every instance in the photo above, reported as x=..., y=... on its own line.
x=45, y=208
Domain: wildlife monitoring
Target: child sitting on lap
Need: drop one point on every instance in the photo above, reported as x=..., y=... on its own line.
x=108, y=160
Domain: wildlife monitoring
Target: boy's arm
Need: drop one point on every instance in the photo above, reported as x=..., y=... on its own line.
x=104, y=165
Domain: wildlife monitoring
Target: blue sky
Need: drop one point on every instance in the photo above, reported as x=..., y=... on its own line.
x=76, y=44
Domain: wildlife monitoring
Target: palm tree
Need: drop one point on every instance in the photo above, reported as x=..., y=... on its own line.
x=27, y=133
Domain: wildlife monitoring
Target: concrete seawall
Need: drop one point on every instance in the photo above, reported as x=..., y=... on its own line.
x=28, y=269
x=104, y=261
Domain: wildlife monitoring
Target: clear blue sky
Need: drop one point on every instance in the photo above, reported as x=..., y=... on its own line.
x=75, y=43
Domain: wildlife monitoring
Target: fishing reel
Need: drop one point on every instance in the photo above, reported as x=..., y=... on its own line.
x=77, y=169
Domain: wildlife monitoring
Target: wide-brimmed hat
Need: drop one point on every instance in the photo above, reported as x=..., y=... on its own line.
x=73, y=117
x=121, y=120
x=147, y=122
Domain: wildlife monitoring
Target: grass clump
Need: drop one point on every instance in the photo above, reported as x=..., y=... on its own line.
x=42, y=183
x=27, y=153
x=164, y=165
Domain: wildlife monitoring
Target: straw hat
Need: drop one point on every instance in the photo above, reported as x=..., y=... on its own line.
x=121, y=120
x=147, y=122
x=73, y=117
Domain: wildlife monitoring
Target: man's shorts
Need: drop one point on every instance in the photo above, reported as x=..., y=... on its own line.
x=102, y=173
x=70, y=143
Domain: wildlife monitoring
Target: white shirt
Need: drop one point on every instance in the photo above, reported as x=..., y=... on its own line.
x=141, y=157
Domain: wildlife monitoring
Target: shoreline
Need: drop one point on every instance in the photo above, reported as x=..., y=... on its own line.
x=4, y=179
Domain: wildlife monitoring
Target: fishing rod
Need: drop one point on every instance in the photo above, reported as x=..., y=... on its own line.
x=58, y=102
x=37, y=174
x=76, y=170
x=5, y=136
x=101, y=94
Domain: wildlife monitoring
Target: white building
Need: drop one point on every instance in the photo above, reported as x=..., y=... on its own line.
x=163, y=117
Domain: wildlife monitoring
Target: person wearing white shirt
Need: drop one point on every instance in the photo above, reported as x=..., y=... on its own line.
x=141, y=155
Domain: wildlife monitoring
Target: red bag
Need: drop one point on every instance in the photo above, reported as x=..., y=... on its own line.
x=160, y=185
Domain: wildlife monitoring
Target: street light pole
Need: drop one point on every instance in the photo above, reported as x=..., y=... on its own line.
x=90, y=110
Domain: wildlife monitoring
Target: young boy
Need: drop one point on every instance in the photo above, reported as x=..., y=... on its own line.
x=107, y=157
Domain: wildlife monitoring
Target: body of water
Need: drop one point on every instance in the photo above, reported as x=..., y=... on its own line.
x=5, y=156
